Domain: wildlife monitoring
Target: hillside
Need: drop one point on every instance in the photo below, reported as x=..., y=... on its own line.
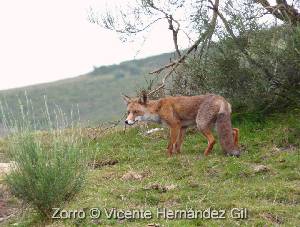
x=97, y=93
x=131, y=171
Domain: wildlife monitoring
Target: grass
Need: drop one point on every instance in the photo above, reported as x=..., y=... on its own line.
x=217, y=182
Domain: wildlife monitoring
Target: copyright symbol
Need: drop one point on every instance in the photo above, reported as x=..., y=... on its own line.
x=95, y=213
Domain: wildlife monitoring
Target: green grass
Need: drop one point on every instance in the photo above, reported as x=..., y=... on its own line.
x=217, y=182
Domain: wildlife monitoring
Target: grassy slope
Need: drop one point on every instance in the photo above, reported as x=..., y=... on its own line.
x=216, y=181
x=97, y=93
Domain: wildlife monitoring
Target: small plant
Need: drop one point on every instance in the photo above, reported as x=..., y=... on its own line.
x=50, y=166
x=45, y=177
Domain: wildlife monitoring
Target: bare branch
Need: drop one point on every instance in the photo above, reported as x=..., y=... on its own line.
x=108, y=24
x=175, y=32
x=164, y=67
x=270, y=9
x=206, y=35
x=282, y=11
x=170, y=20
x=100, y=130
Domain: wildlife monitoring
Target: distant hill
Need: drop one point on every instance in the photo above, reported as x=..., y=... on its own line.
x=96, y=94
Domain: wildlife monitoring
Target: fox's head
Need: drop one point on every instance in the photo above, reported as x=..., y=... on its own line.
x=136, y=108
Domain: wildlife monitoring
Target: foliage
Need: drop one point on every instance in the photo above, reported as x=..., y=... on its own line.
x=247, y=51
x=270, y=81
x=45, y=176
x=49, y=166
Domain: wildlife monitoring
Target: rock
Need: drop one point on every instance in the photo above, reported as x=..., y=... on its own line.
x=6, y=167
x=161, y=188
x=170, y=187
x=131, y=175
x=260, y=168
x=287, y=148
x=97, y=164
x=153, y=225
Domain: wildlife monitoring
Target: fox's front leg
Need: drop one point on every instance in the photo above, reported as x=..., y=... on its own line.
x=180, y=138
x=174, y=134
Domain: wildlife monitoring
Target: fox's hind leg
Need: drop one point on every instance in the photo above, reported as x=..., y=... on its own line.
x=211, y=141
x=235, y=132
x=204, y=121
x=204, y=128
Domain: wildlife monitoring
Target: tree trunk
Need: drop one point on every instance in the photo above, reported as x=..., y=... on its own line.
x=283, y=11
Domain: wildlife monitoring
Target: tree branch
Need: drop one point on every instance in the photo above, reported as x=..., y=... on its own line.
x=164, y=67
x=175, y=32
x=270, y=9
x=110, y=25
x=170, y=20
x=245, y=52
x=206, y=35
x=283, y=11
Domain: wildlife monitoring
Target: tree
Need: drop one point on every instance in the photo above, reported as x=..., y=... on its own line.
x=283, y=10
x=209, y=21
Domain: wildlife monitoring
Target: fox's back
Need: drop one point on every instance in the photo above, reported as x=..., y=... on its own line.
x=186, y=107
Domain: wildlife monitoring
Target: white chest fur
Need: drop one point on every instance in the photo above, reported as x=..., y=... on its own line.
x=149, y=117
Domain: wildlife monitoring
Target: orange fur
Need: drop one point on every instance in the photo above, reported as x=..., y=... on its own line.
x=180, y=112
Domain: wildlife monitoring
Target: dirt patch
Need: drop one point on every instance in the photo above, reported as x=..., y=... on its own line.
x=97, y=164
x=272, y=218
x=193, y=184
x=6, y=167
x=288, y=148
x=160, y=188
x=108, y=175
x=8, y=208
x=153, y=225
x=131, y=175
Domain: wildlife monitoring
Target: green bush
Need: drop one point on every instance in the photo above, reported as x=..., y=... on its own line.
x=266, y=79
x=50, y=165
x=46, y=175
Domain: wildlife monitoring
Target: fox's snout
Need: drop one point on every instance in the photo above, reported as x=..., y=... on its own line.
x=129, y=122
x=131, y=119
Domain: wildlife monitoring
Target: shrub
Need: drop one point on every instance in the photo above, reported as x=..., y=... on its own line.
x=50, y=166
x=270, y=82
x=45, y=176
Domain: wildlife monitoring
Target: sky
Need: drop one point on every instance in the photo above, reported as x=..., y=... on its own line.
x=49, y=40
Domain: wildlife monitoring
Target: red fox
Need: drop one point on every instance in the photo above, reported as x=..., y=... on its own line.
x=180, y=112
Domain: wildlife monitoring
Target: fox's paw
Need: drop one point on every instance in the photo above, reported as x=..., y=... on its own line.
x=235, y=153
x=170, y=153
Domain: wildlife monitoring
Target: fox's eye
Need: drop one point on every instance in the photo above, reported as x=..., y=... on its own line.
x=128, y=112
x=134, y=112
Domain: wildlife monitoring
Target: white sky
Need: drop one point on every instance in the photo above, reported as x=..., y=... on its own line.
x=48, y=40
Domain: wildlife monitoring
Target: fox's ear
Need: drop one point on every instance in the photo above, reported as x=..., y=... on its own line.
x=144, y=98
x=126, y=98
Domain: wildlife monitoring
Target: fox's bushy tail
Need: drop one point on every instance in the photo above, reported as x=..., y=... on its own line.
x=224, y=130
